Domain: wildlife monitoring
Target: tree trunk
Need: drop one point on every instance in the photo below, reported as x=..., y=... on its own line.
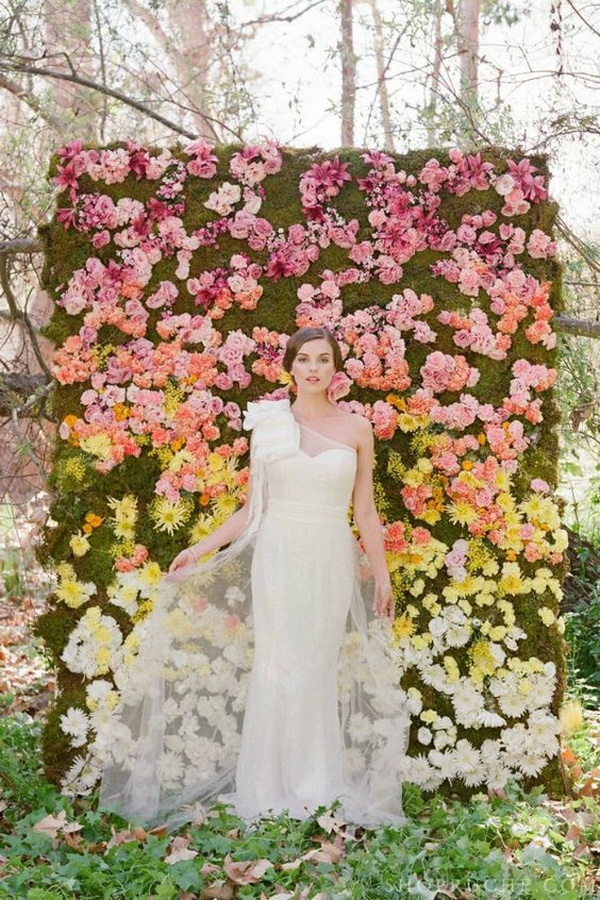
x=467, y=23
x=382, y=91
x=435, y=74
x=348, y=73
x=68, y=37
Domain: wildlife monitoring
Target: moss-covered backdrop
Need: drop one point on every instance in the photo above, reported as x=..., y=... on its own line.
x=177, y=277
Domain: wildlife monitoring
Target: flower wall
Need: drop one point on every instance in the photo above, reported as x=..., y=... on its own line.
x=177, y=277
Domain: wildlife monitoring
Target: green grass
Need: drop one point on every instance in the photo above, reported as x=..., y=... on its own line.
x=515, y=846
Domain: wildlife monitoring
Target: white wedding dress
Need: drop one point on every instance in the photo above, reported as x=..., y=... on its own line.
x=260, y=681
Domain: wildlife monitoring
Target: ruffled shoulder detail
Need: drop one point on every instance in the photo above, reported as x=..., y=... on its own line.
x=275, y=432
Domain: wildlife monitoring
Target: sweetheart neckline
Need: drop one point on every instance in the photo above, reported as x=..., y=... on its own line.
x=329, y=450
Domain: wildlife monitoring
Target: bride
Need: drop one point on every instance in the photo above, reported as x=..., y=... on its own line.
x=264, y=677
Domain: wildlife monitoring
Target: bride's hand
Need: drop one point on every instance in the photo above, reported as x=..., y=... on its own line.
x=187, y=557
x=384, y=604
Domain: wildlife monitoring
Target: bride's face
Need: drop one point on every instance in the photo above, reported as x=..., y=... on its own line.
x=313, y=366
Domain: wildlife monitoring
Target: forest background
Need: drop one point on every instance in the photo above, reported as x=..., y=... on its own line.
x=385, y=74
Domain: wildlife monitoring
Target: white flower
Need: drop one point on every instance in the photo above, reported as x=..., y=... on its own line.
x=468, y=703
x=444, y=762
x=76, y=723
x=468, y=762
x=234, y=595
x=417, y=770
x=171, y=766
x=424, y=735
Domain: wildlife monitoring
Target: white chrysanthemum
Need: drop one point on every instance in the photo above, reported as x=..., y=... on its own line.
x=468, y=763
x=234, y=595
x=490, y=719
x=435, y=676
x=171, y=767
x=468, y=703
x=417, y=770
x=76, y=723
x=92, y=644
x=445, y=763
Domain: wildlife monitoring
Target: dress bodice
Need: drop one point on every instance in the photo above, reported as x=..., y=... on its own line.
x=317, y=485
x=305, y=472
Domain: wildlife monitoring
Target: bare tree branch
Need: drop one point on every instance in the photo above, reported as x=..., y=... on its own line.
x=21, y=245
x=20, y=315
x=591, y=258
x=30, y=100
x=118, y=95
x=578, y=327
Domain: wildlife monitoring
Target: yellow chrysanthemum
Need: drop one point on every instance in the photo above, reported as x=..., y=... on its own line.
x=79, y=544
x=65, y=571
x=403, y=627
x=170, y=515
x=150, y=573
x=512, y=581
x=482, y=657
x=461, y=513
x=74, y=593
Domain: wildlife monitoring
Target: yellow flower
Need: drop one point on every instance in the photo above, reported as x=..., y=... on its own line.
x=497, y=633
x=224, y=506
x=403, y=627
x=511, y=581
x=502, y=480
x=150, y=573
x=414, y=478
x=461, y=513
x=65, y=571
x=483, y=658
x=79, y=544
x=546, y=615
x=424, y=465
x=285, y=378
x=74, y=468
x=429, y=716
x=420, y=641
x=98, y=445
x=180, y=459
x=170, y=515
x=505, y=502
x=74, y=593
x=142, y=611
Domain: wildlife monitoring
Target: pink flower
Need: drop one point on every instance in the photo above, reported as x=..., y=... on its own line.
x=540, y=245
x=339, y=386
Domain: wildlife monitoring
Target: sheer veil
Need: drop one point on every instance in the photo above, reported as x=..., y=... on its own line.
x=173, y=739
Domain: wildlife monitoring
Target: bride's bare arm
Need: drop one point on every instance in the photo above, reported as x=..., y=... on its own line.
x=369, y=524
x=224, y=534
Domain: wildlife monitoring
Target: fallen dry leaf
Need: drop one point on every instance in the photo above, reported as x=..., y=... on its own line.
x=51, y=825
x=126, y=836
x=329, y=823
x=327, y=853
x=223, y=891
x=179, y=851
x=246, y=871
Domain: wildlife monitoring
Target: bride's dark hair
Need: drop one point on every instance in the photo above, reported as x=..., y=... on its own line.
x=302, y=336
